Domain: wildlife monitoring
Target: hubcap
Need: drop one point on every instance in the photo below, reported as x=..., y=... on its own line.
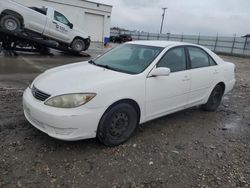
x=10, y=25
x=119, y=124
x=216, y=97
x=78, y=46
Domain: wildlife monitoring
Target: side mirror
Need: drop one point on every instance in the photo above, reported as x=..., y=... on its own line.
x=161, y=71
x=71, y=25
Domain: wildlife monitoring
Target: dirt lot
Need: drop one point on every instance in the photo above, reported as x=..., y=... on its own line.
x=191, y=148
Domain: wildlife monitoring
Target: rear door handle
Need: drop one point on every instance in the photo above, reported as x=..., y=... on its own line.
x=186, y=78
x=216, y=71
x=54, y=22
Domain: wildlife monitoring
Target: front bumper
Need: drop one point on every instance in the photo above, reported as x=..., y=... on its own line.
x=64, y=124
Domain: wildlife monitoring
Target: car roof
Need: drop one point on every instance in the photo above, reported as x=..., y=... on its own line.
x=159, y=43
x=165, y=44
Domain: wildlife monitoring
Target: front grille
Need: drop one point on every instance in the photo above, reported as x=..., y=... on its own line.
x=39, y=95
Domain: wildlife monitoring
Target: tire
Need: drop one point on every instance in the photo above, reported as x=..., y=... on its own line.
x=1, y=47
x=78, y=45
x=214, y=100
x=10, y=23
x=117, y=125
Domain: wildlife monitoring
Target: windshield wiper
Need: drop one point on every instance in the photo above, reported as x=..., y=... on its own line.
x=92, y=62
x=104, y=66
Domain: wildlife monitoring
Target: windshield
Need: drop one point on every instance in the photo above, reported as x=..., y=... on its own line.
x=129, y=58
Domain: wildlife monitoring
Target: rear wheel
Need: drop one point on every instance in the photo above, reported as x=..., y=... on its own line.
x=10, y=23
x=214, y=100
x=117, y=125
x=78, y=45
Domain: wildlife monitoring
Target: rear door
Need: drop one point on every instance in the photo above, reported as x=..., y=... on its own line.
x=204, y=72
x=165, y=94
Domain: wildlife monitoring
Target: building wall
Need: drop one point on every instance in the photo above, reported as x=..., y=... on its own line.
x=77, y=11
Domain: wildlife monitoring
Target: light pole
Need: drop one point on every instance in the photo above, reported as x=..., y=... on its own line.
x=163, y=16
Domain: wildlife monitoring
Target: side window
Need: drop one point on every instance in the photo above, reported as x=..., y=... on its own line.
x=198, y=58
x=174, y=59
x=212, y=62
x=61, y=18
x=40, y=10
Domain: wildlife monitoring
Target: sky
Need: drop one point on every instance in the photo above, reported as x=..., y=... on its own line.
x=207, y=17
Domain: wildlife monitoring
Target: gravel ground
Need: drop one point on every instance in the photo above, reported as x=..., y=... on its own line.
x=191, y=148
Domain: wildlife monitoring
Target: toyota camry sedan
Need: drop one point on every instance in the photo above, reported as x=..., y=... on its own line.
x=136, y=82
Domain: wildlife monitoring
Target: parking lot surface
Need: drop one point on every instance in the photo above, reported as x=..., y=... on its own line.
x=191, y=148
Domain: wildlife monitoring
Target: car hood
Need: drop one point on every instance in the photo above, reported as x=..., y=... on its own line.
x=77, y=78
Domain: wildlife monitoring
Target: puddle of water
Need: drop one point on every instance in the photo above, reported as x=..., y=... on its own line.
x=15, y=65
x=233, y=125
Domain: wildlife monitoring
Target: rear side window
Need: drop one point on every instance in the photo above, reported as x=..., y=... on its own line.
x=174, y=59
x=212, y=62
x=198, y=58
x=40, y=10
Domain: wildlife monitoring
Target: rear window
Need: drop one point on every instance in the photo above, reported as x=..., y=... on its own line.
x=40, y=10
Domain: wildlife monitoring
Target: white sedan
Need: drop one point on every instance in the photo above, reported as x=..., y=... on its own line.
x=134, y=83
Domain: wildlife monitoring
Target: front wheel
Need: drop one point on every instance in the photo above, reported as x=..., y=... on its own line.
x=117, y=125
x=214, y=100
x=10, y=23
x=78, y=45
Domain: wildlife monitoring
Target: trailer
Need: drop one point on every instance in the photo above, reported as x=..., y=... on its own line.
x=28, y=41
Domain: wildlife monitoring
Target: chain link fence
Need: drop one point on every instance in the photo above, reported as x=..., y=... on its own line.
x=219, y=44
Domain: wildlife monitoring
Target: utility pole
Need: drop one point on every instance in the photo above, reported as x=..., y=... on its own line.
x=163, y=16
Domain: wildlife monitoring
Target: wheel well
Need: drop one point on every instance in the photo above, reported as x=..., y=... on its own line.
x=13, y=13
x=222, y=85
x=78, y=38
x=129, y=101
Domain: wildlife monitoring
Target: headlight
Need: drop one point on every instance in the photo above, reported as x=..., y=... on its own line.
x=70, y=100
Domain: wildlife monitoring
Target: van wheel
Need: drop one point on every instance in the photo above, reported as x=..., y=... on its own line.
x=78, y=45
x=10, y=23
x=214, y=100
x=117, y=125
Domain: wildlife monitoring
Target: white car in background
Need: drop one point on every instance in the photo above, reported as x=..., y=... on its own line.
x=129, y=85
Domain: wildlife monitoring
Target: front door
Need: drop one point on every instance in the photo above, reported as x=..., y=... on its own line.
x=166, y=94
x=59, y=28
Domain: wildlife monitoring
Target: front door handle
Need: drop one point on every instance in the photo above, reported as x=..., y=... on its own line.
x=54, y=22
